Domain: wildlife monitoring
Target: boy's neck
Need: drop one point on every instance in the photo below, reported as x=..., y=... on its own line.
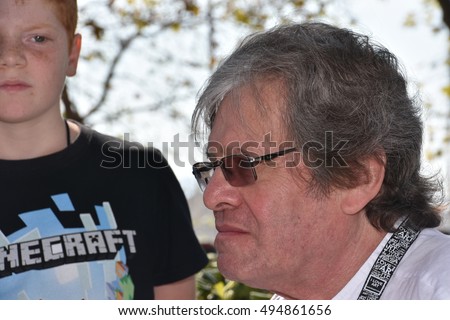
x=34, y=140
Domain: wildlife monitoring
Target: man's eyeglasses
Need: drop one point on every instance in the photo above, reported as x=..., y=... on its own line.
x=238, y=169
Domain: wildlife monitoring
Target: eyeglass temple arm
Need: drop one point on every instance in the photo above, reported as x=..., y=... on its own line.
x=271, y=156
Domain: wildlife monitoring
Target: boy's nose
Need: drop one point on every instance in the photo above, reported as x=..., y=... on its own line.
x=11, y=54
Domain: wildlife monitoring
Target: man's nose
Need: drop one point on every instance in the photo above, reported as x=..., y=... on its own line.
x=219, y=194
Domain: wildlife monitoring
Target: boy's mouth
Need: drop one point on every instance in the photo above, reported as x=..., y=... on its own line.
x=13, y=86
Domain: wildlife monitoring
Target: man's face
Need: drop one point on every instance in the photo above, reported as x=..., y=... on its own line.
x=272, y=229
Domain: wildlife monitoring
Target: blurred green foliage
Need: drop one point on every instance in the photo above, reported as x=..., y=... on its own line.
x=211, y=285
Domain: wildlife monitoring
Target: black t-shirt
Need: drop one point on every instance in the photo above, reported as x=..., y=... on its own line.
x=102, y=219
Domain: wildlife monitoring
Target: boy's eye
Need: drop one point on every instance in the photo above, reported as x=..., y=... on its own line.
x=39, y=39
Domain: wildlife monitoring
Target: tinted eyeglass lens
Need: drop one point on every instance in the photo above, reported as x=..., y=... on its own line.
x=237, y=170
x=203, y=173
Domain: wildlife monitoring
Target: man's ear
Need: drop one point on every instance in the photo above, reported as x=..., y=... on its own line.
x=354, y=199
x=74, y=55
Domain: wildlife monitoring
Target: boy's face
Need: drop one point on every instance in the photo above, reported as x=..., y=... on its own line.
x=34, y=60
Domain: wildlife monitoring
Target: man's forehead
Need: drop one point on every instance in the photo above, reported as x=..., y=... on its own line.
x=246, y=118
x=268, y=143
x=218, y=149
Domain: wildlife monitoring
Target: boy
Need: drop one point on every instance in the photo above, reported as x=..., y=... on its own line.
x=75, y=225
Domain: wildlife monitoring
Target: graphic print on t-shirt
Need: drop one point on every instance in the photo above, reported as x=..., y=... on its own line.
x=46, y=260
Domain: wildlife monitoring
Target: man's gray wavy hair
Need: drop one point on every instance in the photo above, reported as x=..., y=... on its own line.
x=336, y=80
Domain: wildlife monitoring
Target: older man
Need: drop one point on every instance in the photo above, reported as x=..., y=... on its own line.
x=319, y=194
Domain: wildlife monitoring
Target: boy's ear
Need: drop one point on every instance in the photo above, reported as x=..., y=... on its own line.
x=74, y=55
x=353, y=200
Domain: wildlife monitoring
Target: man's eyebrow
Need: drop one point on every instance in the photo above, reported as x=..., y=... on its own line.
x=213, y=149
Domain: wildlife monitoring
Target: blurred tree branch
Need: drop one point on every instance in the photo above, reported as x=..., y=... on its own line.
x=143, y=20
x=134, y=19
x=445, y=5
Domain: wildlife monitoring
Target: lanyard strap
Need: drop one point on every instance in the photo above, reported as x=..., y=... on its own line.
x=388, y=260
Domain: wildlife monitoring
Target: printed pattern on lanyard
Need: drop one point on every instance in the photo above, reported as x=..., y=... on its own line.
x=388, y=260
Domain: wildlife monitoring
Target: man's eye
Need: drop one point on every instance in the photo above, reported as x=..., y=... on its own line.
x=39, y=39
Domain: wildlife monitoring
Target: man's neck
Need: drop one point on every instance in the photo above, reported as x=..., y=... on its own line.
x=331, y=274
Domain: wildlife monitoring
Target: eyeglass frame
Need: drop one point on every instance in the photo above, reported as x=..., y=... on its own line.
x=252, y=162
